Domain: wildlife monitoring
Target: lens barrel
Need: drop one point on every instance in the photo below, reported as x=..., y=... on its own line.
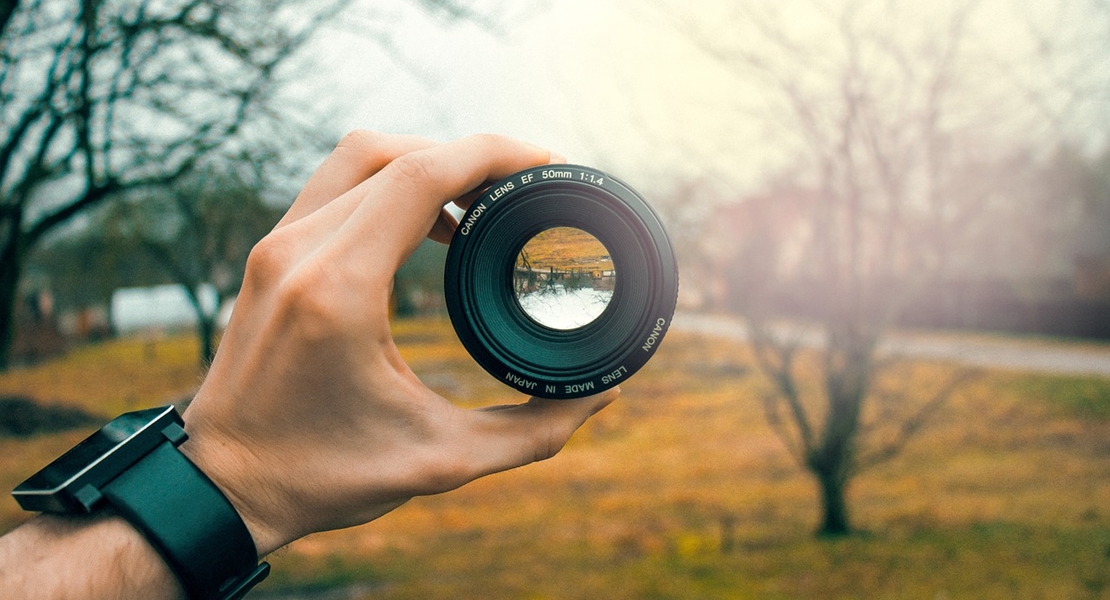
x=514, y=348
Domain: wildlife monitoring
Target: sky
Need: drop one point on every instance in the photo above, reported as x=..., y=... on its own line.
x=598, y=85
x=621, y=85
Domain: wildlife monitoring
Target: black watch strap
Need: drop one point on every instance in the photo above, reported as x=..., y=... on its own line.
x=189, y=522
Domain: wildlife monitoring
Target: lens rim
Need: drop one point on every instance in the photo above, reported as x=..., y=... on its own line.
x=510, y=345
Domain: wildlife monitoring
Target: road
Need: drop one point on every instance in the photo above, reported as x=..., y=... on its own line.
x=1044, y=355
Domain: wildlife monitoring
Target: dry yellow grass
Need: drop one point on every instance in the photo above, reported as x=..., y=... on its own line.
x=1005, y=496
x=567, y=248
x=105, y=379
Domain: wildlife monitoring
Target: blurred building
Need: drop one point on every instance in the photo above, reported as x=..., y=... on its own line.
x=1092, y=257
x=1013, y=271
x=158, y=308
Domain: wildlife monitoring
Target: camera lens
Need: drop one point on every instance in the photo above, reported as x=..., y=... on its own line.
x=560, y=281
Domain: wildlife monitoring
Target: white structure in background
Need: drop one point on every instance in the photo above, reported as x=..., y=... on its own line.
x=160, y=307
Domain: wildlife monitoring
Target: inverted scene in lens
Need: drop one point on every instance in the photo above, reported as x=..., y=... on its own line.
x=564, y=278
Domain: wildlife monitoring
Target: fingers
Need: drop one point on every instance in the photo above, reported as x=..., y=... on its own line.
x=362, y=154
x=401, y=203
x=357, y=157
x=468, y=198
x=507, y=437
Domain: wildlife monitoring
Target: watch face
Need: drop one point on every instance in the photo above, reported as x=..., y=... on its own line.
x=96, y=460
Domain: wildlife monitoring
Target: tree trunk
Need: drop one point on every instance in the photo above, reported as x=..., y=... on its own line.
x=834, y=521
x=9, y=282
x=11, y=265
x=206, y=330
x=206, y=323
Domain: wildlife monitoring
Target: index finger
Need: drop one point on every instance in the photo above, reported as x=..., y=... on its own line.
x=402, y=202
x=357, y=157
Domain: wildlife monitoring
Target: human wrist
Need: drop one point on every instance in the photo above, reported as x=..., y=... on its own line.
x=132, y=469
x=234, y=470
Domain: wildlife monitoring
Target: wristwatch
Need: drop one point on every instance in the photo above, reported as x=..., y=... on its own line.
x=133, y=466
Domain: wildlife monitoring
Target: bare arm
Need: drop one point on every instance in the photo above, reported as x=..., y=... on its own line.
x=92, y=558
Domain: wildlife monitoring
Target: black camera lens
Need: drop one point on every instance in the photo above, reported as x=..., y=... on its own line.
x=561, y=281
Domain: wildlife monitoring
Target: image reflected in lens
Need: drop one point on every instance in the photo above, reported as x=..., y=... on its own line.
x=564, y=278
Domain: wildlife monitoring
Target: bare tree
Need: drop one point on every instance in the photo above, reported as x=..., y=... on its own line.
x=199, y=231
x=99, y=97
x=887, y=137
x=1063, y=78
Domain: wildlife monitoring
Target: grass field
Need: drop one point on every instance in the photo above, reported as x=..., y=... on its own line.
x=680, y=490
x=566, y=248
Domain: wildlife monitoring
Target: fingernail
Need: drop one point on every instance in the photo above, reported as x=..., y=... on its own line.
x=556, y=158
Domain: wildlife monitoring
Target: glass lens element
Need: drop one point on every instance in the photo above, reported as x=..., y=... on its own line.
x=564, y=278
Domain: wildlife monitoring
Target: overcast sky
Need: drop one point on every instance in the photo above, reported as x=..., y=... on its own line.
x=601, y=85
x=611, y=83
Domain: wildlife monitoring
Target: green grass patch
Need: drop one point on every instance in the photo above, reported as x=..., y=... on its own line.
x=1081, y=397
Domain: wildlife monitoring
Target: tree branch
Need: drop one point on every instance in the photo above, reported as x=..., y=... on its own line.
x=91, y=197
x=913, y=424
x=794, y=444
x=7, y=9
x=776, y=360
x=40, y=106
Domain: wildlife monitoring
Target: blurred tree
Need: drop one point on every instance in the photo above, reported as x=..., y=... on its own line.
x=875, y=100
x=199, y=231
x=914, y=127
x=99, y=97
x=1064, y=78
x=82, y=270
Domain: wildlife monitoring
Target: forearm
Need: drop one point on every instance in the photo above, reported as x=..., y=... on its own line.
x=61, y=557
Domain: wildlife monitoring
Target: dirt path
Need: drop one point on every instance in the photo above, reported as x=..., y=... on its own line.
x=1047, y=355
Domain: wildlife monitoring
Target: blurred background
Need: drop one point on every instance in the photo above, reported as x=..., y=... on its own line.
x=889, y=375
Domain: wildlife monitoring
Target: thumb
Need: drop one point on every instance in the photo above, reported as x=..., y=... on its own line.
x=506, y=437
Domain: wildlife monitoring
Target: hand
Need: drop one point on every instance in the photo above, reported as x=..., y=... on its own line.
x=309, y=419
